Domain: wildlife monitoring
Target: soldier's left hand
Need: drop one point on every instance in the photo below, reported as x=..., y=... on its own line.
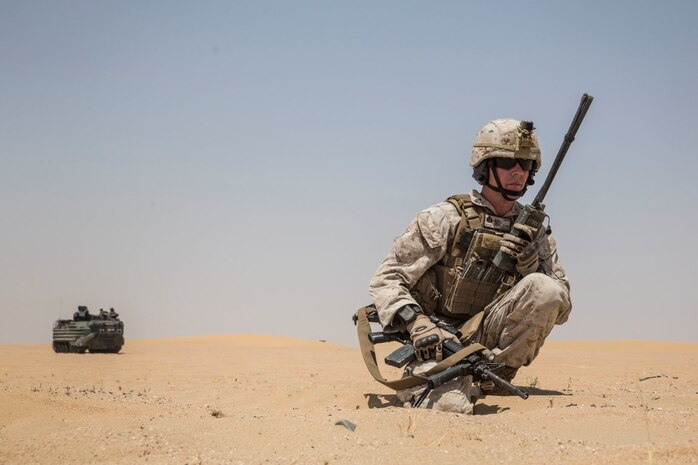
x=524, y=249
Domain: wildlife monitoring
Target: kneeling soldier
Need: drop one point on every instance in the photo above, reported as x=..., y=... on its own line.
x=442, y=265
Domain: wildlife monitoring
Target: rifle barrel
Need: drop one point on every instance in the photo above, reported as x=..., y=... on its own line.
x=569, y=137
x=506, y=384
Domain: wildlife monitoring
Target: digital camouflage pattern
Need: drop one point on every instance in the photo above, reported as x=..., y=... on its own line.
x=505, y=138
x=515, y=328
x=426, y=242
x=515, y=324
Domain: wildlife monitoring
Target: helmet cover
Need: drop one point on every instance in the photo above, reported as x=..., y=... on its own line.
x=506, y=138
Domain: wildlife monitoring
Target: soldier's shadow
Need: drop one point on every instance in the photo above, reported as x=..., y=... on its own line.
x=388, y=400
x=481, y=407
x=485, y=409
x=533, y=391
x=382, y=400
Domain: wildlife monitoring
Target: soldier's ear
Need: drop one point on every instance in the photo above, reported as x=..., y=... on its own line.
x=481, y=173
x=531, y=174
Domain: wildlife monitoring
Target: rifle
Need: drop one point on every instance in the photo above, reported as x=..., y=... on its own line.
x=533, y=215
x=480, y=364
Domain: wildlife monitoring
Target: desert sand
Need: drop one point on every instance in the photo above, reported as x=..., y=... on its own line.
x=249, y=399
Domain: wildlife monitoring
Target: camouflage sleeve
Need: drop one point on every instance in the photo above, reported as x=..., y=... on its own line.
x=424, y=243
x=547, y=250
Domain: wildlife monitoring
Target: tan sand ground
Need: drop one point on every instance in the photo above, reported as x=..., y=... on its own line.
x=271, y=400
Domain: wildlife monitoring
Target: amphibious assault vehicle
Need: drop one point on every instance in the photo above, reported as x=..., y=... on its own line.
x=97, y=333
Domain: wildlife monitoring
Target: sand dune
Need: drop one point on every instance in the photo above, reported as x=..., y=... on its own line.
x=257, y=399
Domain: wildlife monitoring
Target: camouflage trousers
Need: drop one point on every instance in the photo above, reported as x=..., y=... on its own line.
x=514, y=328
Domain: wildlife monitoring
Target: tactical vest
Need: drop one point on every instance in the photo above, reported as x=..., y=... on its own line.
x=465, y=281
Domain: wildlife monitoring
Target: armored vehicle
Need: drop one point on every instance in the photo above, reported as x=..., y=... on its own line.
x=96, y=333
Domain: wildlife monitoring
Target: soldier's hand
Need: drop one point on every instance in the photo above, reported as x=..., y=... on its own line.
x=523, y=248
x=427, y=339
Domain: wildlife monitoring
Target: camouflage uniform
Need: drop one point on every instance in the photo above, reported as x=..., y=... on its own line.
x=516, y=323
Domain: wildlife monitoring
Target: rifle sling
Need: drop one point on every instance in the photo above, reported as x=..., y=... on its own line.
x=368, y=352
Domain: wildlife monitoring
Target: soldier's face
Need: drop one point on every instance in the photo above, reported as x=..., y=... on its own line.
x=513, y=178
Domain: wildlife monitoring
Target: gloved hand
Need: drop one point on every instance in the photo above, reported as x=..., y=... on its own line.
x=523, y=249
x=427, y=339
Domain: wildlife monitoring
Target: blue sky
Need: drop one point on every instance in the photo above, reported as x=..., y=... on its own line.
x=242, y=167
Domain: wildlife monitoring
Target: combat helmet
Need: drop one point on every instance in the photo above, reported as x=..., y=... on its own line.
x=505, y=138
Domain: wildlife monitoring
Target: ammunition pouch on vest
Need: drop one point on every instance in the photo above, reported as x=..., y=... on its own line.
x=465, y=281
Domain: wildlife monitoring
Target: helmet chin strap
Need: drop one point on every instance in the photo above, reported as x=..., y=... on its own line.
x=506, y=193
